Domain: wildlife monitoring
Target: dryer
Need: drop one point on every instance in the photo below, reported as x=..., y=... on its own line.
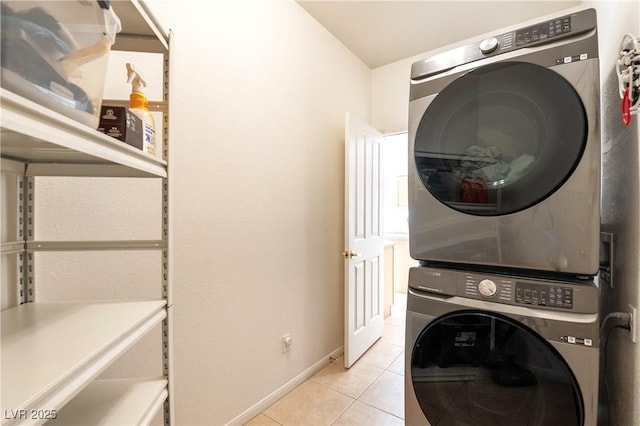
x=500, y=350
x=504, y=148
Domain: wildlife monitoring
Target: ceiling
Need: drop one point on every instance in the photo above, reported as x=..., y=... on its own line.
x=381, y=32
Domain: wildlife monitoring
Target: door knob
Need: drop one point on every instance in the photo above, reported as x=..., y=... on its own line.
x=350, y=254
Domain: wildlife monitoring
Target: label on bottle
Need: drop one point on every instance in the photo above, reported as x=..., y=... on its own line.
x=149, y=138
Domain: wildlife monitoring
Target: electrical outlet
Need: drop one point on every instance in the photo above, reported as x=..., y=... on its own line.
x=287, y=341
x=633, y=323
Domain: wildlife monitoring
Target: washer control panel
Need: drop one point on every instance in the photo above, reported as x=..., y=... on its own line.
x=527, y=292
x=544, y=295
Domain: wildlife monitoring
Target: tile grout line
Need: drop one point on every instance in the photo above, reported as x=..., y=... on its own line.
x=380, y=409
x=355, y=398
x=274, y=420
x=353, y=401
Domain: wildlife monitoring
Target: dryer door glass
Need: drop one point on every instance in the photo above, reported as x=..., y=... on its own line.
x=480, y=368
x=500, y=138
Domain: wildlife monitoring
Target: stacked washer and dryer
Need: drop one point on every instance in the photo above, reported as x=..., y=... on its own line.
x=504, y=219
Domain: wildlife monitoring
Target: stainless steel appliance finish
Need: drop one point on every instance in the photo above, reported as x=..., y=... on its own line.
x=504, y=147
x=500, y=350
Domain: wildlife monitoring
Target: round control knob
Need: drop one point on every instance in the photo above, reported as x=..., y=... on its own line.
x=487, y=288
x=488, y=45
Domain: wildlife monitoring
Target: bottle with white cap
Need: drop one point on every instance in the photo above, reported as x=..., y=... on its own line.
x=139, y=105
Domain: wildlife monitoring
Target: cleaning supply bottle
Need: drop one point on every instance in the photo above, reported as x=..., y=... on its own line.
x=139, y=105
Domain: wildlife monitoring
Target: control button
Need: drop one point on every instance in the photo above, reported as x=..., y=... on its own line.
x=571, y=339
x=588, y=342
x=488, y=45
x=487, y=288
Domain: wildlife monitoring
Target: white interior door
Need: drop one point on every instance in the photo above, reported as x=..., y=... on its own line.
x=364, y=239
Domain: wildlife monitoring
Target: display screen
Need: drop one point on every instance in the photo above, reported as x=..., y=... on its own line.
x=544, y=31
x=544, y=295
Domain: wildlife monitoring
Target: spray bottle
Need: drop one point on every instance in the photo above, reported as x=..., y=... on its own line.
x=139, y=105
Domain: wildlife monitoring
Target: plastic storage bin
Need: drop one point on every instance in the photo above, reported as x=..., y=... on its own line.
x=55, y=53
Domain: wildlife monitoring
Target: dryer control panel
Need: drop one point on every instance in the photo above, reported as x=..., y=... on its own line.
x=533, y=35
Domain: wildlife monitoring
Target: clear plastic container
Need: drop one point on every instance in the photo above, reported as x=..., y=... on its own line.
x=56, y=53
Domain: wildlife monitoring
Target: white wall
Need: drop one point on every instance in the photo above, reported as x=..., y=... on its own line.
x=258, y=102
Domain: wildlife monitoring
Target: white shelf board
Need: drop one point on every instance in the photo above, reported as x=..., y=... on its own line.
x=50, y=351
x=32, y=133
x=114, y=402
x=140, y=30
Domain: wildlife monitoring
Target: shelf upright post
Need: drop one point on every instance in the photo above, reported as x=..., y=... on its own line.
x=166, y=371
x=166, y=252
x=29, y=230
x=20, y=232
x=26, y=262
x=29, y=236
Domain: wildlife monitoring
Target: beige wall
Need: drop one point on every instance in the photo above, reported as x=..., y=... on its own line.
x=258, y=102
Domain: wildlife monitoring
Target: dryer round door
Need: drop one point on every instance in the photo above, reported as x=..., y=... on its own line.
x=482, y=368
x=500, y=138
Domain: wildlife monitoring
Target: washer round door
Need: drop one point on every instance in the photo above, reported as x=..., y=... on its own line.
x=500, y=138
x=482, y=368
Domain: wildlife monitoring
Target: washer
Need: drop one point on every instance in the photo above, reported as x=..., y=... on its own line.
x=500, y=350
x=504, y=148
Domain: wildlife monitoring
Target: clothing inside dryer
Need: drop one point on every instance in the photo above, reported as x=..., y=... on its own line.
x=479, y=368
x=500, y=138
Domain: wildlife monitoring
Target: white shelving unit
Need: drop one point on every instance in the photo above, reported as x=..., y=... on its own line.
x=51, y=353
x=43, y=138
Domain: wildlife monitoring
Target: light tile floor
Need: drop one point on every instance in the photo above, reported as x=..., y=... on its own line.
x=370, y=393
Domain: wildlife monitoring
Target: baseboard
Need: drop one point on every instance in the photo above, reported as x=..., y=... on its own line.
x=270, y=399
